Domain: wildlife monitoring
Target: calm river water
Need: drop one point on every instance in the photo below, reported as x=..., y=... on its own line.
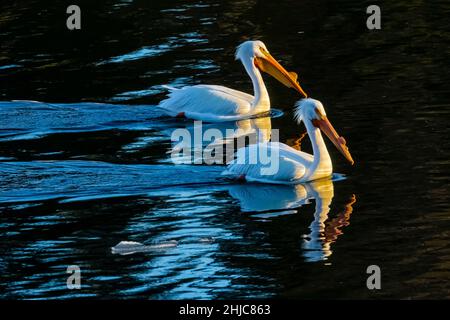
x=84, y=163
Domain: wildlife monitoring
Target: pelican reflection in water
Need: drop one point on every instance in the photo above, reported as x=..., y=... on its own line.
x=201, y=142
x=269, y=201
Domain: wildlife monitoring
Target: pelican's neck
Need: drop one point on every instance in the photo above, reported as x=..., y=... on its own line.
x=321, y=166
x=261, y=101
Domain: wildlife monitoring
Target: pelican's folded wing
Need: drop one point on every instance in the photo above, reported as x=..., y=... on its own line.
x=204, y=101
x=265, y=163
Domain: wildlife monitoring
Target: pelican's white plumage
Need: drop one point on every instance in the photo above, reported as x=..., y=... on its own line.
x=291, y=166
x=208, y=103
x=217, y=103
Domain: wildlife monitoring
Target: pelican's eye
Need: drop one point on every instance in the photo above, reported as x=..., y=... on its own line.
x=264, y=51
x=319, y=113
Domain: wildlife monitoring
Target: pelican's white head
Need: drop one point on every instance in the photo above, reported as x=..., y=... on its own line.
x=308, y=109
x=250, y=49
x=312, y=111
x=256, y=53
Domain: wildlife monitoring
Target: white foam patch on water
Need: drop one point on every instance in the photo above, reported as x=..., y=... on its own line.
x=130, y=247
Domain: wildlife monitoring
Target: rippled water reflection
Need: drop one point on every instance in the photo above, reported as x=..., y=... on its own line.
x=86, y=167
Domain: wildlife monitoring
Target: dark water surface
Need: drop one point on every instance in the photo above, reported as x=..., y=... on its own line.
x=84, y=161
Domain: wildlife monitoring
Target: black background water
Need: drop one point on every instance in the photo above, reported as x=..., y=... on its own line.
x=86, y=166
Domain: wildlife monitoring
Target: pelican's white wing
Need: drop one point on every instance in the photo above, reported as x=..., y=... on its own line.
x=207, y=102
x=270, y=162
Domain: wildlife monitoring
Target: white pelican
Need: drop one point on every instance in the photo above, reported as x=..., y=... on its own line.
x=217, y=103
x=292, y=166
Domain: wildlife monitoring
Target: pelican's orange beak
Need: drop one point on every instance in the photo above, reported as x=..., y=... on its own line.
x=339, y=142
x=271, y=66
